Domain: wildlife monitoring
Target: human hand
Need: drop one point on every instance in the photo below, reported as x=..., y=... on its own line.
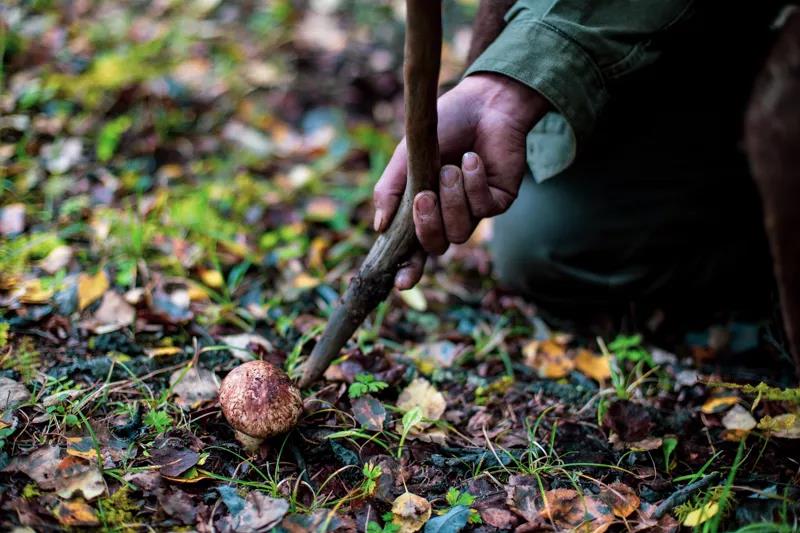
x=486, y=114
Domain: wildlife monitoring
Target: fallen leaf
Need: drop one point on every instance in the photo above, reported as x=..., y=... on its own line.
x=114, y=313
x=194, y=386
x=39, y=465
x=163, y=351
x=33, y=292
x=597, y=367
x=58, y=258
x=90, y=288
x=260, y=513
x=452, y=521
x=499, y=518
x=630, y=421
x=369, y=412
x=414, y=298
x=244, y=345
x=621, y=498
x=173, y=461
x=74, y=475
x=786, y=426
x=737, y=423
x=75, y=513
x=212, y=278
x=82, y=447
x=548, y=358
x=700, y=515
x=410, y=512
x=12, y=393
x=420, y=393
x=572, y=511
x=718, y=404
x=12, y=219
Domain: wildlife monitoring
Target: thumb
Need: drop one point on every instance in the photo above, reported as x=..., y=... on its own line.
x=389, y=189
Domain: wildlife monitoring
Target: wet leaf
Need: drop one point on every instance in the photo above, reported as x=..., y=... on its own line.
x=12, y=393
x=573, y=511
x=173, y=461
x=718, y=404
x=451, y=522
x=260, y=513
x=39, y=465
x=410, y=512
x=621, y=498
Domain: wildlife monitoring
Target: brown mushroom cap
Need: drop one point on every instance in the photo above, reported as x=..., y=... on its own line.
x=259, y=400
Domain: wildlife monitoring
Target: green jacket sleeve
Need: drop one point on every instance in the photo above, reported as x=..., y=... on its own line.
x=569, y=51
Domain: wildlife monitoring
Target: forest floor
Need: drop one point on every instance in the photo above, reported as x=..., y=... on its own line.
x=186, y=186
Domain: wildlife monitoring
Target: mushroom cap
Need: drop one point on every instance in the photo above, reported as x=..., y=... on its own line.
x=259, y=400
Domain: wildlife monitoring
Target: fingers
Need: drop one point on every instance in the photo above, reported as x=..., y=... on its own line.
x=428, y=223
x=389, y=189
x=456, y=216
x=410, y=273
x=476, y=186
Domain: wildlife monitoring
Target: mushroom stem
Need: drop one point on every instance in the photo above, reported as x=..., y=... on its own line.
x=251, y=444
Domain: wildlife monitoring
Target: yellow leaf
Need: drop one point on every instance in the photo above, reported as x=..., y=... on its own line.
x=410, y=512
x=548, y=358
x=420, y=393
x=786, y=426
x=316, y=253
x=163, y=351
x=414, y=298
x=716, y=405
x=75, y=513
x=90, y=288
x=212, y=278
x=597, y=367
x=197, y=293
x=698, y=516
x=35, y=293
x=304, y=281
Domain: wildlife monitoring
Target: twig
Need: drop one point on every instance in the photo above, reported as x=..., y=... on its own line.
x=683, y=494
x=374, y=280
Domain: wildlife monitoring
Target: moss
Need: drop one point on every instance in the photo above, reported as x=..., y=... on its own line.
x=118, y=510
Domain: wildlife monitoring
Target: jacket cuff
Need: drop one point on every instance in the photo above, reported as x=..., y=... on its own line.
x=540, y=56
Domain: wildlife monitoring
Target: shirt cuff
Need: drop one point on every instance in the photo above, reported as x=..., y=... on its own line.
x=540, y=56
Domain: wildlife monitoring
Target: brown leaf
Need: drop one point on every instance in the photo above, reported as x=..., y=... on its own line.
x=621, y=498
x=597, y=367
x=174, y=461
x=114, y=313
x=629, y=420
x=12, y=393
x=548, y=358
x=75, y=513
x=369, y=412
x=74, y=475
x=499, y=518
x=194, y=386
x=420, y=393
x=40, y=466
x=573, y=511
x=260, y=513
x=410, y=512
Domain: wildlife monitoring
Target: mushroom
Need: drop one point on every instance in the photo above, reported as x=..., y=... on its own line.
x=259, y=401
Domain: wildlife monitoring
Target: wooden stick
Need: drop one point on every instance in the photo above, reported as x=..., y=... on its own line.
x=772, y=135
x=375, y=278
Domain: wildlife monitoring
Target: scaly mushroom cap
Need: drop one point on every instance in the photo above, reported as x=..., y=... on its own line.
x=259, y=400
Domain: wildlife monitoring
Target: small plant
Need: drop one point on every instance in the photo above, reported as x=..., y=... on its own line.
x=159, y=420
x=4, y=327
x=371, y=474
x=456, y=497
x=410, y=419
x=629, y=348
x=364, y=384
x=374, y=527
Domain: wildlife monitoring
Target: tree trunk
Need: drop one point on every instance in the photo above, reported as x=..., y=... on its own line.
x=772, y=135
x=375, y=278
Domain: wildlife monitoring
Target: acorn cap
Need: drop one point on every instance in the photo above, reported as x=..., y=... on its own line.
x=259, y=400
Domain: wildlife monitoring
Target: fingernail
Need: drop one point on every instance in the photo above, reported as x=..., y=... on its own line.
x=448, y=176
x=377, y=223
x=425, y=204
x=470, y=161
x=401, y=281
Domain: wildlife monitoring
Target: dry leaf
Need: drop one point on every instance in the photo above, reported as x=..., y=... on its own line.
x=597, y=367
x=737, y=422
x=90, y=288
x=572, y=511
x=114, y=313
x=786, y=426
x=12, y=219
x=243, y=346
x=410, y=512
x=719, y=404
x=12, y=393
x=74, y=475
x=163, y=351
x=548, y=358
x=194, y=386
x=34, y=293
x=621, y=498
x=420, y=393
x=57, y=259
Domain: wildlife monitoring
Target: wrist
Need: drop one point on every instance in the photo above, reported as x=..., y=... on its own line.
x=507, y=96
